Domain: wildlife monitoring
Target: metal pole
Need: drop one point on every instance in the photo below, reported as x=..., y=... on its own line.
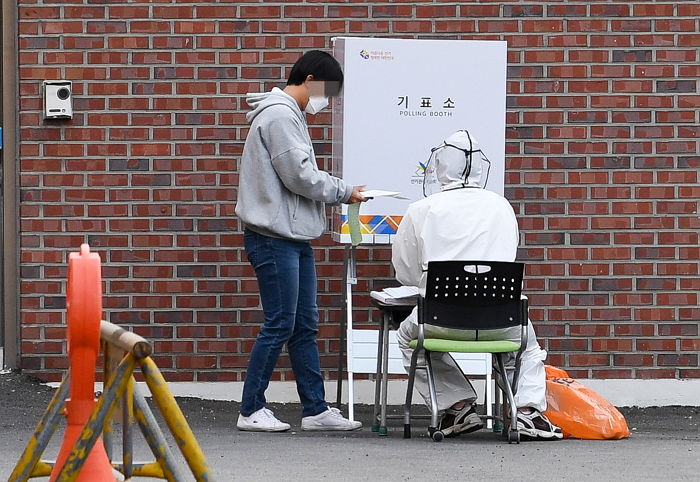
x=351, y=280
x=42, y=434
x=385, y=371
x=176, y=421
x=109, y=364
x=155, y=439
x=341, y=349
x=376, y=423
x=127, y=428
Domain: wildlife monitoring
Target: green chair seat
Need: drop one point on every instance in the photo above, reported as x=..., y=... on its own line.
x=458, y=346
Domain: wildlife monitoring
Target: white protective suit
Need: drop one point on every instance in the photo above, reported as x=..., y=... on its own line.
x=462, y=222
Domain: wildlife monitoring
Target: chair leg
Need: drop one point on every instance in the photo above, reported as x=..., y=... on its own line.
x=409, y=396
x=435, y=434
x=513, y=434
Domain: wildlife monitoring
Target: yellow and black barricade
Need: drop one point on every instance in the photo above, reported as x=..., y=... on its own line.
x=120, y=387
x=84, y=447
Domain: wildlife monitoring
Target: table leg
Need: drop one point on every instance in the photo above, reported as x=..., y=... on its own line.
x=385, y=371
x=378, y=378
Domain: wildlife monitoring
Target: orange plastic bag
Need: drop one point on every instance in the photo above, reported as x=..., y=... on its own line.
x=579, y=411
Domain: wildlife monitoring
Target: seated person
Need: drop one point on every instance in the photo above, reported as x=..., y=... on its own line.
x=465, y=222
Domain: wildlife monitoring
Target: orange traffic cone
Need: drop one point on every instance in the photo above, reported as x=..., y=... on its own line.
x=84, y=312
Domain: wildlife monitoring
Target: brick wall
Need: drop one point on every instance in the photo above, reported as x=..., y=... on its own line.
x=602, y=169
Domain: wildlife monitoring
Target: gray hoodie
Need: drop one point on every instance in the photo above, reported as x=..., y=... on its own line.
x=281, y=191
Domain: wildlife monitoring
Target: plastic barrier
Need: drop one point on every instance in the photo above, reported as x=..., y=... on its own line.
x=84, y=311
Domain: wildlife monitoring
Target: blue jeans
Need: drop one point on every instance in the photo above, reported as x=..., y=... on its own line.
x=286, y=274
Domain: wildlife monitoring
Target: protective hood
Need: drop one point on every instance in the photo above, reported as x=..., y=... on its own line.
x=459, y=162
x=261, y=101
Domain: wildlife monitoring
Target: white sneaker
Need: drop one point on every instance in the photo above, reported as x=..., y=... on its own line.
x=261, y=421
x=536, y=426
x=331, y=419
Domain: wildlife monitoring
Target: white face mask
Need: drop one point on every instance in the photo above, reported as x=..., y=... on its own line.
x=316, y=104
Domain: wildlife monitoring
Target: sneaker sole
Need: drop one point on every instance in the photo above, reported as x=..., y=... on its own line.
x=534, y=434
x=260, y=429
x=330, y=429
x=453, y=431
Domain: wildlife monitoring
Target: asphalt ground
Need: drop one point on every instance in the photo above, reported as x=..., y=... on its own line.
x=664, y=446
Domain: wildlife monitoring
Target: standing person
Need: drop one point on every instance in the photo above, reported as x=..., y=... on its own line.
x=281, y=201
x=464, y=221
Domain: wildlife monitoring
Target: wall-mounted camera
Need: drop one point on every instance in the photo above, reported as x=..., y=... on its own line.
x=58, y=99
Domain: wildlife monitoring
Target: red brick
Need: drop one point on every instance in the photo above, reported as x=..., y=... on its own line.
x=544, y=56
x=195, y=362
x=446, y=26
x=549, y=26
x=412, y=26
x=610, y=253
x=259, y=11
x=633, y=268
x=336, y=26
x=589, y=269
x=589, y=330
x=130, y=12
x=653, y=374
x=632, y=360
x=567, y=253
x=655, y=314
x=591, y=177
x=610, y=222
x=567, y=344
x=497, y=26
x=634, y=238
x=478, y=10
x=589, y=360
x=434, y=11
x=195, y=27
x=84, y=12
x=664, y=359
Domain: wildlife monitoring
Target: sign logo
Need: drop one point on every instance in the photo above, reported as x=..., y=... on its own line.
x=384, y=55
x=419, y=176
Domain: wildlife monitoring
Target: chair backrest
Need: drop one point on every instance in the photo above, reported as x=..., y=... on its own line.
x=474, y=295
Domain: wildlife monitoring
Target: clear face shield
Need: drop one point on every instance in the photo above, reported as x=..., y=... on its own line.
x=450, y=166
x=430, y=181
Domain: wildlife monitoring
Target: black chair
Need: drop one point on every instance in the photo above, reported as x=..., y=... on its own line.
x=470, y=295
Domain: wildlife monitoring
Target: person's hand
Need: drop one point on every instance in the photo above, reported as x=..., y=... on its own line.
x=357, y=196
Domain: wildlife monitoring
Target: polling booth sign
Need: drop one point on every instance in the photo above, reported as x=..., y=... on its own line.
x=400, y=98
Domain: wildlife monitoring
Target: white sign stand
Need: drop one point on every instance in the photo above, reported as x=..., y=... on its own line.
x=400, y=98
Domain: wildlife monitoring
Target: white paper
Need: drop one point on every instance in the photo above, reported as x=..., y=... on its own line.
x=371, y=193
x=402, y=291
x=399, y=296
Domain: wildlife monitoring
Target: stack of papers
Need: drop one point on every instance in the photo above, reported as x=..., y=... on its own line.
x=401, y=295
